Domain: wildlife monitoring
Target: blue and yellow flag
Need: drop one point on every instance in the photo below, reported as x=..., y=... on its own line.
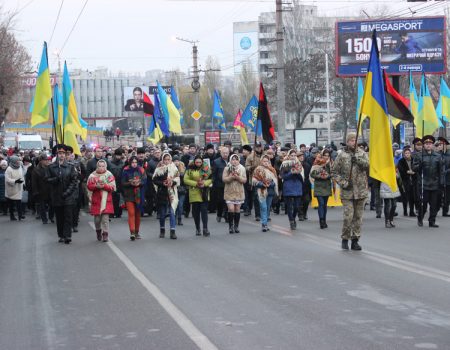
x=58, y=113
x=443, y=107
x=413, y=99
x=72, y=122
x=170, y=112
x=176, y=102
x=154, y=131
x=217, y=112
x=250, y=115
x=427, y=121
x=159, y=117
x=43, y=94
x=374, y=105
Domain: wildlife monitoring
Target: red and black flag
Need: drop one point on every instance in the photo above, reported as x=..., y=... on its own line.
x=267, y=129
x=148, y=105
x=396, y=103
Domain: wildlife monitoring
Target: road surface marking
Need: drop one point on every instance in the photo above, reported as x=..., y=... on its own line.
x=181, y=319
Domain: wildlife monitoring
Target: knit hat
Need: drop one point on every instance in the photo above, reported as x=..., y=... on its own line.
x=3, y=163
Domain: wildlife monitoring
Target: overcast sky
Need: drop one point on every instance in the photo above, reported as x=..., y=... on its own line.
x=136, y=36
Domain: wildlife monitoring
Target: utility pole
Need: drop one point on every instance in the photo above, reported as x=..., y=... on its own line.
x=328, y=99
x=281, y=99
x=195, y=85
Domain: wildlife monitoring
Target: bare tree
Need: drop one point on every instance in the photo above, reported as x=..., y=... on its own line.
x=305, y=86
x=247, y=84
x=14, y=62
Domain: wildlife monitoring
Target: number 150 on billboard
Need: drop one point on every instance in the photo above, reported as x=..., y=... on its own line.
x=406, y=44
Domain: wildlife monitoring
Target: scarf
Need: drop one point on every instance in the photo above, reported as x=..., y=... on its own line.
x=263, y=174
x=105, y=178
x=14, y=162
x=165, y=172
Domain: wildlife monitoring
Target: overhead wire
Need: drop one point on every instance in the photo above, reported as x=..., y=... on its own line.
x=56, y=22
x=74, y=25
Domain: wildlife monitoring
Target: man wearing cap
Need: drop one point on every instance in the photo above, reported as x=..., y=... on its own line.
x=428, y=167
x=445, y=177
x=350, y=172
x=63, y=180
x=251, y=164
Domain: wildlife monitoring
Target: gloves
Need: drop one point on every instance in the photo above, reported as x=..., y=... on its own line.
x=19, y=181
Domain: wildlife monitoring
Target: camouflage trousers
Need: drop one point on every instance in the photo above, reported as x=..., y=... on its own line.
x=353, y=214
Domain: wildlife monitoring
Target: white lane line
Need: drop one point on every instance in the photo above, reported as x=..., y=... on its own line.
x=181, y=319
x=401, y=264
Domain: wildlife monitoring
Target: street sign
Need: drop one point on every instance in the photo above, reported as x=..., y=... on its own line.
x=196, y=115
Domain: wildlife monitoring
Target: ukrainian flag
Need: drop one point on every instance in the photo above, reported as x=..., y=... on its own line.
x=427, y=118
x=358, y=104
x=171, y=113
x=443, y=107
x=413, y=99
x=374, y=105
x=39, y=108
x=154, y=131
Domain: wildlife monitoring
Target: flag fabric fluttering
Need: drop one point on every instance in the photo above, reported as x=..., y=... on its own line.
x=154, y=131
x=427, y=121
x=58, y=113
x=397, y=104
x=43, y=95
x=176, y=102
x=358, y=103
x=159, y=116
x=71, y=120
x=374, y=105
x=413, y=99
x=237, y=124
x=267, y=128
x=170, y=112
x=217, y=111
x=148, y=106
x=443, y=107
x=250, y=115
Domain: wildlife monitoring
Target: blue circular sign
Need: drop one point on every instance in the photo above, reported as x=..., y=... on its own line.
x=245, y=43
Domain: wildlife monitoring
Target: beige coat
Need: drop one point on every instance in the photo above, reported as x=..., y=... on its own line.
x=234, y=187
x=13, y=190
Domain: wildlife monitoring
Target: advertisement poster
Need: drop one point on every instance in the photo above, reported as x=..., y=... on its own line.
x=411, y=44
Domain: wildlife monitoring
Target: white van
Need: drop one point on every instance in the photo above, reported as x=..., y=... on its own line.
x=30, y=142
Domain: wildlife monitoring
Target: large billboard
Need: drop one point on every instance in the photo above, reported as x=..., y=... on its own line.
x=406, y=44
x=133, y=97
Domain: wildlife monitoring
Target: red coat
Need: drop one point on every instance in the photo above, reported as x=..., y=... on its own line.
x=96, y=198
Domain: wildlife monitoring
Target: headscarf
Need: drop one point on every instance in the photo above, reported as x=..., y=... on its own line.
x=3, y=164
x=133, y=173
x=170, y=170
x=263, y=174
x=14, y=162
x=107, y=179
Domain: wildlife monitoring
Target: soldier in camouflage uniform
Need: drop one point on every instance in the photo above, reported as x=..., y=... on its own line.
x=354, y=189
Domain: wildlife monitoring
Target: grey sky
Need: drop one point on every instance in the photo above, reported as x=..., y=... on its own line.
x=135, y=36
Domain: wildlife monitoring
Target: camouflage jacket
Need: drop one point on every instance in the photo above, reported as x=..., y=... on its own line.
x=356, y=187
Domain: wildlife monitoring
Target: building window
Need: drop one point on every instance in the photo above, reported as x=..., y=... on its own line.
x=321, y=119
x=263, y=55
x=312, y=118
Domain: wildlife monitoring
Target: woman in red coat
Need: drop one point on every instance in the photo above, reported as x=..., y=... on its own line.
x=100, y=186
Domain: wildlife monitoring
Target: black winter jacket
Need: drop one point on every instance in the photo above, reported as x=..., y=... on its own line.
x=63, y=180
x=430, y=164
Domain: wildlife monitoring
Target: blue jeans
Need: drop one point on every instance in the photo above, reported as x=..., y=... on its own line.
x=322, y=210
x=179, y=212
x=265, y=204
x=165, y=209
x=292, y=205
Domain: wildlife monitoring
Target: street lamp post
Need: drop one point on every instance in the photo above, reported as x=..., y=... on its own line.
x=195, y=84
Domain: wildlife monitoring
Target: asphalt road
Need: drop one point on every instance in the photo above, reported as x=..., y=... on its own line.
x=253, y=290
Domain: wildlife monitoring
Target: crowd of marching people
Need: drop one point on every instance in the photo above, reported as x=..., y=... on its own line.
x=175, y=181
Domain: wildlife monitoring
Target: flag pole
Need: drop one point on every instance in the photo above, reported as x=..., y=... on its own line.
x=53, y=109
